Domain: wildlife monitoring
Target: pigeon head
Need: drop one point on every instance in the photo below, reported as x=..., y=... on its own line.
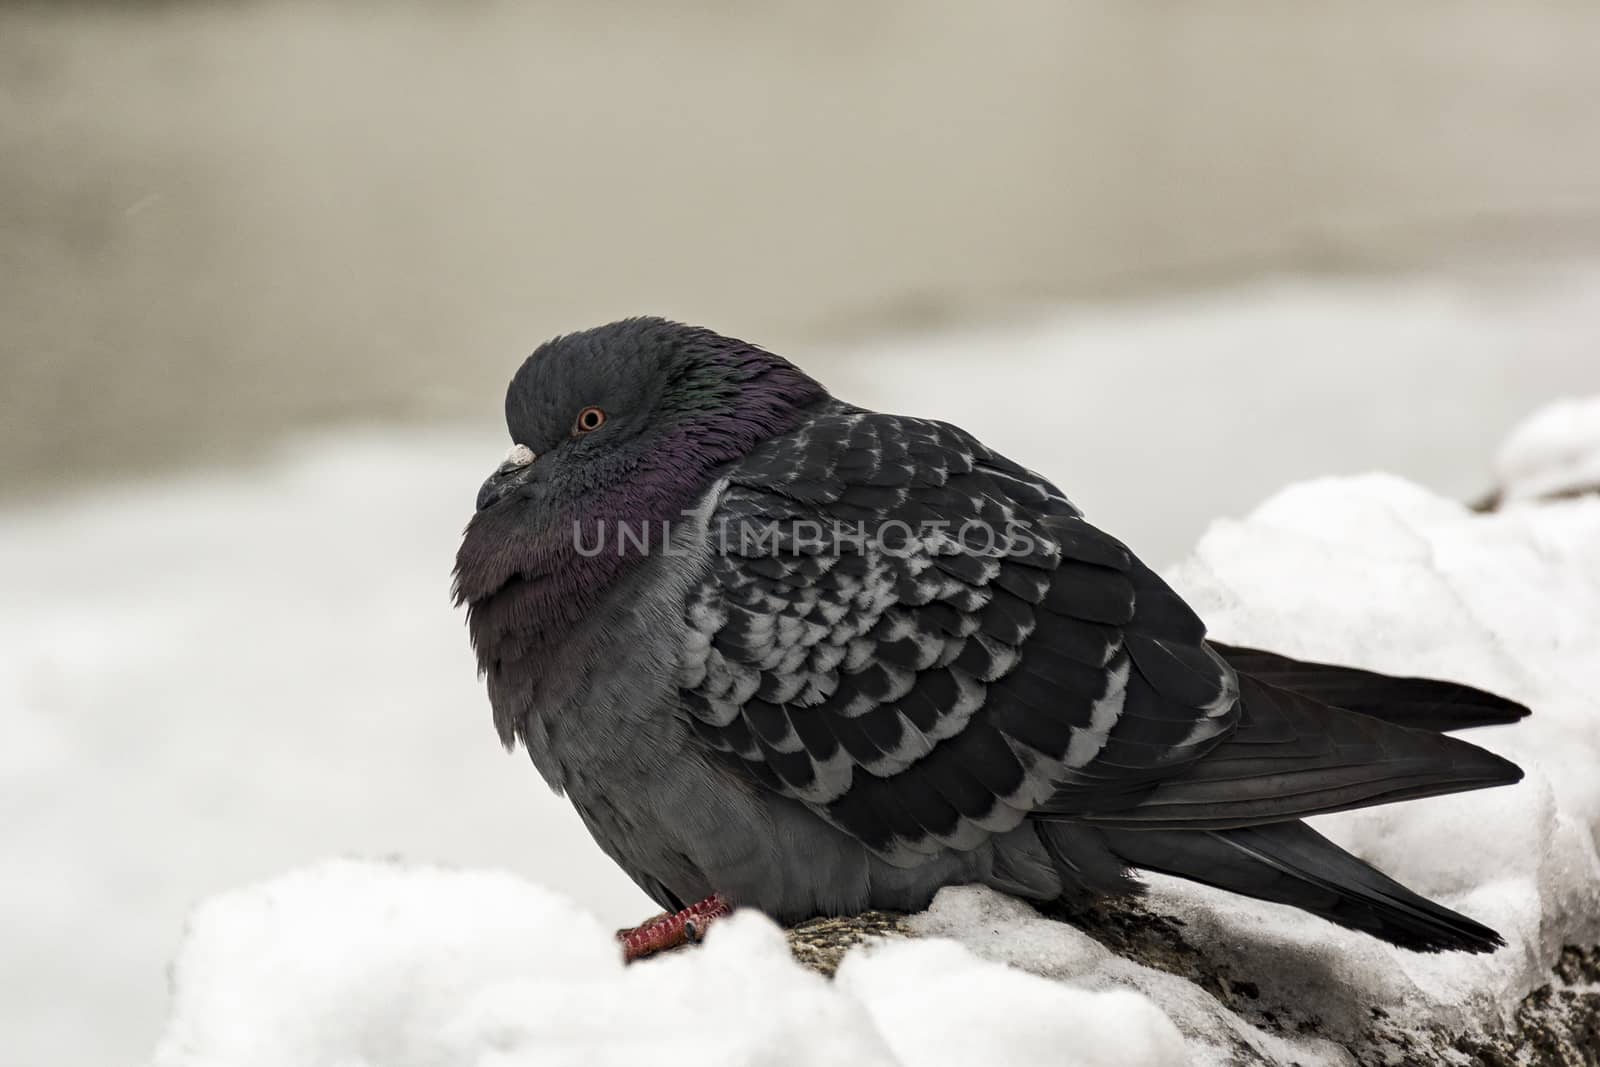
x=619, y=427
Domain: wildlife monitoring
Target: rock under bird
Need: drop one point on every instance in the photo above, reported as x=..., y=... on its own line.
x=786, y=653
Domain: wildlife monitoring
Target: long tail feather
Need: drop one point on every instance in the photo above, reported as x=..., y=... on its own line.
x=1291, y=757
x=1290, y=863
x=1420, y=703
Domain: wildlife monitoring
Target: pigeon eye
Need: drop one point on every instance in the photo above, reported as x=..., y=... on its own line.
x=590, y=419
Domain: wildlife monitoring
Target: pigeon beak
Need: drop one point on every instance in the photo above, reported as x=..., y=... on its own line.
x=506, y=476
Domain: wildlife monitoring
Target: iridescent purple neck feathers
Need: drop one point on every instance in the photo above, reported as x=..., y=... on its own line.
x=689, y=402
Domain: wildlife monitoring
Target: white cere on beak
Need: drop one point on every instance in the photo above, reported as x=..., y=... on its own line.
x=519, y=456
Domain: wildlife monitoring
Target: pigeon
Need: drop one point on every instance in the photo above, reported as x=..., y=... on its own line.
x=787, y=653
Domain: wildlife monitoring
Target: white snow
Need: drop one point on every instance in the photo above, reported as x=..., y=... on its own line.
x=350, y=964
x=1004, y=930
x=1555, y=450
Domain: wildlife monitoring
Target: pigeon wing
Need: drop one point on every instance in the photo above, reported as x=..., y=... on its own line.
x=925, y=643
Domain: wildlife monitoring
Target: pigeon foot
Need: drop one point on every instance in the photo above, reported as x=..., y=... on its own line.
x=687, y=927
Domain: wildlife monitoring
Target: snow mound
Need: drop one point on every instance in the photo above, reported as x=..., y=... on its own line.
x=349, y=963
x=1553, y=452
x=1374, y=572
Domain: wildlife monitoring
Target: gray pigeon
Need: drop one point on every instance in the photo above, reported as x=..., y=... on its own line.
x=787, y=653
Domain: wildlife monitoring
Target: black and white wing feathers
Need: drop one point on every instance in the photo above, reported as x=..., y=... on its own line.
x=972, y=651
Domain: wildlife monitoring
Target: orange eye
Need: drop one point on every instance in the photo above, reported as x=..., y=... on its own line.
x=590, y=419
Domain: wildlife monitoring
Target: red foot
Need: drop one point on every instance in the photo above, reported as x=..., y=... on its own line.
x=669, y=931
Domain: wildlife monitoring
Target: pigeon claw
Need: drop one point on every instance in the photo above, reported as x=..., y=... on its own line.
x=687, y=927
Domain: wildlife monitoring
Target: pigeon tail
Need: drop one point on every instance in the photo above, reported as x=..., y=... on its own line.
x=1290, y=863
x=1293, y=756
x=1420, y=703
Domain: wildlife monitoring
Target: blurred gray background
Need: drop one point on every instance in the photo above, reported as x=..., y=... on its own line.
x=265, y=267
x=221, y=222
